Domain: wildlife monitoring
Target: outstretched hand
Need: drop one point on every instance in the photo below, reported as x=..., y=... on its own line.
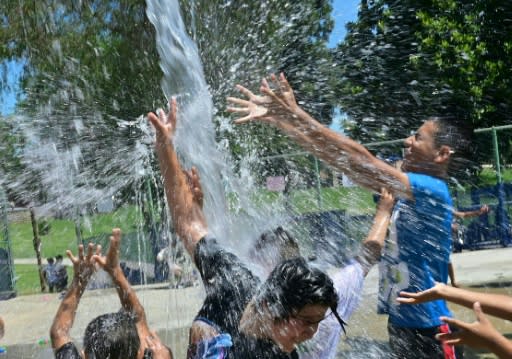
x=421, y=297
x=386, y=201
x=84, y=265
x=164, y=124
x=479, y=334
x=273, y=106
x=110, y=262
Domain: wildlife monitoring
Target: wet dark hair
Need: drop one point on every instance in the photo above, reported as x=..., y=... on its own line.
x=456, y=133
x=112, y=336
x=292, y=285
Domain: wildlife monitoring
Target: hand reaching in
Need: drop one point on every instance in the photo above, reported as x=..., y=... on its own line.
x=421, y=297
x=274, y=107
x=110, y=262
x=164, y=125
x=84, y=265
x=479, y=334
x=386, y=201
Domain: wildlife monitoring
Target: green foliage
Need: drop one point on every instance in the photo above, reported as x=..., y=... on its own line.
x=402, y=61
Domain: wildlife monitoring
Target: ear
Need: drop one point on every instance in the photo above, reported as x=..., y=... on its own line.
x=443, y=154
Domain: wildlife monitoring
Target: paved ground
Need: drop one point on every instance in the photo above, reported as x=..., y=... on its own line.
x=170, y=311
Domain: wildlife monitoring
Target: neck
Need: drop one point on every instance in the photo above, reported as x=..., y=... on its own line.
x=438, y=171
x=255, y=322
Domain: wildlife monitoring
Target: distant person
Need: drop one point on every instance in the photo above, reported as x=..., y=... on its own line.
x=479, y=334
x=61, y=280
x=174, y=259
x=419, y=248
x=2, y=327
x=50, y=274
x=121, y=335
x=243, y=317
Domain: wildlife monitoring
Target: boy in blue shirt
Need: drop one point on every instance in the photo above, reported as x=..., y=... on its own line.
x=423, y=213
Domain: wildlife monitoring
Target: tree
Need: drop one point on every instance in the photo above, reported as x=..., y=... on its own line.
x=404, y=61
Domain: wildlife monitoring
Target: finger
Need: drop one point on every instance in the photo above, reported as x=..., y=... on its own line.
x=115, y=239
x=155, y=121
x=479, y=313
x=267, y=91
x=242, y=120
x=81, y=252
x=71, y=257
x=455, y=322
x=405, y=300
x=98, y=250
x=173, y=112
x=244, y=91
x=274, y=96
x=407, y=294
x=283, y=83
x=458, y=341
x=264, y=83
x=239, y=101
x=450, y=338
x=161, y=116
x=238, y=110
x=90, y=251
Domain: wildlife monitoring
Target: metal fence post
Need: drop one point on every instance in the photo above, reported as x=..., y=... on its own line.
x=496, y=154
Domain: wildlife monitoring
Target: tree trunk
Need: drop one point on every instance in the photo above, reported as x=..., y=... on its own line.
x=37, y=247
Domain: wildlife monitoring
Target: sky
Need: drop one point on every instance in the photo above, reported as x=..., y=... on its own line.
x=343, y=12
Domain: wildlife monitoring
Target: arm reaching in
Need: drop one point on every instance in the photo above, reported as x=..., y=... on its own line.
x=479, y=334
x=280, y=109
x=374, y=242
x=83, y=267
x=187, y=214
x=498, y=305
x=468, y=214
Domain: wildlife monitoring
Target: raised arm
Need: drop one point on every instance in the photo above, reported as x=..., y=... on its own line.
x=187, y=215
x=372, y=246
x=280, y=109
x=83, y=267
x=127, y=296
x=498, y=305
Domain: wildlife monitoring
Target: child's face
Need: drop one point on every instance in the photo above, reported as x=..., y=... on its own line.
x=299, y=327
x=421, y=150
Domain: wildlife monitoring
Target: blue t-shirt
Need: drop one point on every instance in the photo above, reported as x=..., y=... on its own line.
x=420, y=257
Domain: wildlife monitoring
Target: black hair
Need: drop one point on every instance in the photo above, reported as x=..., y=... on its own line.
x=294, y=284
x=50, y=260
x=112, y=336
x=59, y=257
x=456, y=133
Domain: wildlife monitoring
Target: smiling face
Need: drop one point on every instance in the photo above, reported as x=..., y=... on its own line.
x=287, y=333
x=422, y=155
